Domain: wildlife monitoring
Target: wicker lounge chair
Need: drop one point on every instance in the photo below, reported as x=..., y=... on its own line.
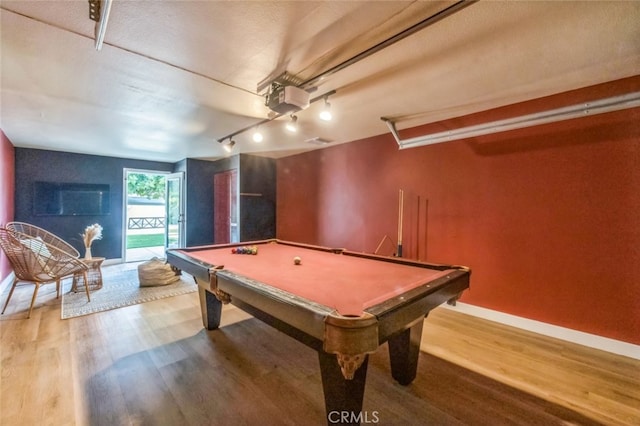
x=46, y=236
x=33, y=260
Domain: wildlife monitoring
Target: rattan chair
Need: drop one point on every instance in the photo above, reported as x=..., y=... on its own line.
x=35, y=261
x=46, y=236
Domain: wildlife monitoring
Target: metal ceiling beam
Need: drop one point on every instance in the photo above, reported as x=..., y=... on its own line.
x=456, y=7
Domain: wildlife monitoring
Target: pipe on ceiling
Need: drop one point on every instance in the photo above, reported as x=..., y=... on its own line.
x=448, y=11
x=456, y=7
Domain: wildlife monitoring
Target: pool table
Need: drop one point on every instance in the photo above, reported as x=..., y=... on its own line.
x=341, y=303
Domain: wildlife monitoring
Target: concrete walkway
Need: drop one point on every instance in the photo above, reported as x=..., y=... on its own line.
x=144, y=253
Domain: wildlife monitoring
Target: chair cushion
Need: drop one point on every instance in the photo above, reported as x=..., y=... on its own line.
x=37, y=246
x=41, y=253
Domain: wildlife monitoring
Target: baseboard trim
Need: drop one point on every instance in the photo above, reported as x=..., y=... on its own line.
x=9, y=278
x=585, y=339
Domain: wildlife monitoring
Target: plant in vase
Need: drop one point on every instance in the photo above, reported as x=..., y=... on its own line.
x=91, y=233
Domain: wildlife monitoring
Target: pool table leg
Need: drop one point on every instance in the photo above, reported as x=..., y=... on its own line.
x=341, y=395
x=211, y=309
x=404, y=349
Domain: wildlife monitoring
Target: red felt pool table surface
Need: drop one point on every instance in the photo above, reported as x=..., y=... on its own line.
x=348, y=284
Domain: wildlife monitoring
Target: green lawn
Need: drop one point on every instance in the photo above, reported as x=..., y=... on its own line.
x=145, y=240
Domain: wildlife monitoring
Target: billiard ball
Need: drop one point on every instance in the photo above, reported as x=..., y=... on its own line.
x=297, y=260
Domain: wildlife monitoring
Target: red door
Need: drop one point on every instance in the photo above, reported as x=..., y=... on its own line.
x=224, y=196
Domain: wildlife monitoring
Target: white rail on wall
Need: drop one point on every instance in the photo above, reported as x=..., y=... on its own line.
x=616, y=103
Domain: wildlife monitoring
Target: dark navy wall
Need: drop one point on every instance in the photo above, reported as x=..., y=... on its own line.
x=199, y=197
x=33, y=165
x=257, y=198
x=256, y=175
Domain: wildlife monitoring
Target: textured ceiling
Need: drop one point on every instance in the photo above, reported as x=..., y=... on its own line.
x=173, y=77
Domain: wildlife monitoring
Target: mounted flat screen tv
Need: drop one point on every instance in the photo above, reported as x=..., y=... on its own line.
x=71, y=199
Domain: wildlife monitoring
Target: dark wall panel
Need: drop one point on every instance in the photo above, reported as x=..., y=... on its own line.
x=257, y=198
x=199, y=198
x=52, y=166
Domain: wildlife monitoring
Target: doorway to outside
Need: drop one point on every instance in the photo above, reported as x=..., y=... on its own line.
x=154, y=214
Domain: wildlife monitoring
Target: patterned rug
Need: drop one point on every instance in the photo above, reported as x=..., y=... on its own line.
x=120, y=288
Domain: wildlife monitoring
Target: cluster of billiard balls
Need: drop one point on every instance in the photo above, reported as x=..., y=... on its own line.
x=245, y=250
x=254, y=250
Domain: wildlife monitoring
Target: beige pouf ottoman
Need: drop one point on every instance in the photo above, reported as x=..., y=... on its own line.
x=156, y=272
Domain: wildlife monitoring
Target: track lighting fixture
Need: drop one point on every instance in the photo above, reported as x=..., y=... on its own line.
x=229, y=146
x=325, y=114
x=292, y=125
x=257, y=136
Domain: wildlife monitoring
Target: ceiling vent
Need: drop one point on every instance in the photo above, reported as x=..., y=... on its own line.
x=318, y=141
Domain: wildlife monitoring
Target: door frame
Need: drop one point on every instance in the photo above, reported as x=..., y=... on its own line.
x=125, y=192
x=182, y=218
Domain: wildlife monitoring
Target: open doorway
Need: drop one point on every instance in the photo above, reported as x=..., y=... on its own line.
x=153, y=214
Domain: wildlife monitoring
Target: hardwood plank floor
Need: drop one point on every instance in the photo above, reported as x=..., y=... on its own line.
x=154, y=364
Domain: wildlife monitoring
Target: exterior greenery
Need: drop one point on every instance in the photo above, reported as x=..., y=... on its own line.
x=145, y=240
x=146, y=185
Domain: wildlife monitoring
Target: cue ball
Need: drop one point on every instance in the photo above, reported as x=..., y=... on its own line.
x=297, y=260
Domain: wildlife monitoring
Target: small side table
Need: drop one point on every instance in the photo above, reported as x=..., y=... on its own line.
x=94, y=275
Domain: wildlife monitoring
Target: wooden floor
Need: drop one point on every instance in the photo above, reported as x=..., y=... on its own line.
x=154, y=364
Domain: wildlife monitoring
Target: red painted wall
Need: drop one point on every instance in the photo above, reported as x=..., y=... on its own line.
x=547, y=217
x=7, y=189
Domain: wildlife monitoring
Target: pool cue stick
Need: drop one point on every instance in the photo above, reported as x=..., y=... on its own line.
x=400, y=211
x=386, y=237
x=418, y=229
x=426, y=228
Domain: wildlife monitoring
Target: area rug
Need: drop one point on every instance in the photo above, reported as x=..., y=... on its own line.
x=120, y=288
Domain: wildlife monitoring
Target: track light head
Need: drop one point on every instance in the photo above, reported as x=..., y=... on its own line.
x=229, y=146
x=292, y=125
x=325, y=114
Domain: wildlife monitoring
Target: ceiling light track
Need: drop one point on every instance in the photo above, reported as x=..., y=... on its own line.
x=309, y=84
x=267, y=120
x=616, y=103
